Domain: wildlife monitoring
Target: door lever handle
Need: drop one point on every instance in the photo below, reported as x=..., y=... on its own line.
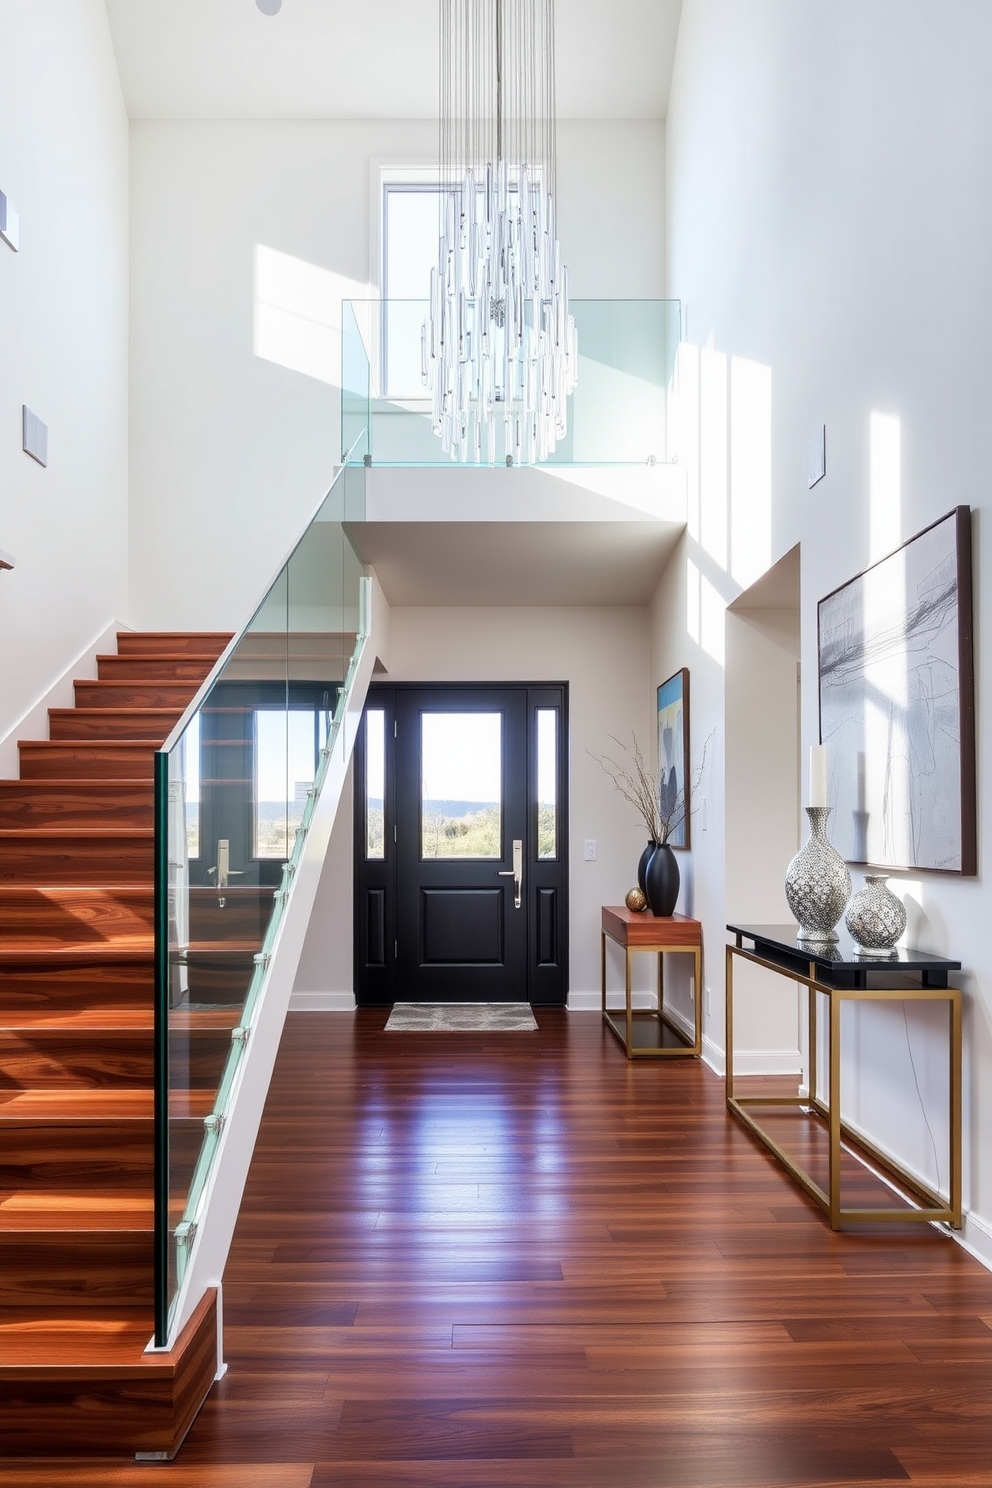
x=516, y=872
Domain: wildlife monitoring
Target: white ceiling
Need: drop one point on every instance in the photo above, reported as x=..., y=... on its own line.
x=361, y=59
x=517, y=563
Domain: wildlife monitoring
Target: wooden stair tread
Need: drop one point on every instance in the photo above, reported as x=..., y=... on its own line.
x=83, y=834
x=81, y=1104
x=86, y=1020
x=101, y=1340
x=72, y=1209
x=92, y=1021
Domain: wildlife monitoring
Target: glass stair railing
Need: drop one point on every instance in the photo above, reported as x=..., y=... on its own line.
x=237, y=785
x=617, y=415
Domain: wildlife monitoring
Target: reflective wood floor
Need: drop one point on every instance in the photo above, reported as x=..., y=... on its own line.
x=517, y=1259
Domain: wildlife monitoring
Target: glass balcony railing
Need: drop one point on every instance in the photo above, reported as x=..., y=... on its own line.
x=235, y=788
x=617, y=415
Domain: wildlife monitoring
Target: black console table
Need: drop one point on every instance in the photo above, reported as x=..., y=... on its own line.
x=839, y=974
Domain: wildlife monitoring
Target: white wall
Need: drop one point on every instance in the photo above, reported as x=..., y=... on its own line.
x=63, y=307
x=830, y=229
x=603, y=655
x=230, y=451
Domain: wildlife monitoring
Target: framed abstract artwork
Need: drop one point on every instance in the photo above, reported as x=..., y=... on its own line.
x=673, y=756
x=897, y=705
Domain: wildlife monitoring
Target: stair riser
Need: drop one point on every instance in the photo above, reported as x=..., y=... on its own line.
x=97, y=918
x=69, y=988
x=153, y=669
x=86, y=1269
x=118, y=860
x=52, y=1059
x=200, y=643
x=51, y=803
x=167, y=695
x=112, y=723
x=47, y=760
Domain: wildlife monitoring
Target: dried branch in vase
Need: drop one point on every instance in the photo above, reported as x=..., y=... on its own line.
x=640, y=787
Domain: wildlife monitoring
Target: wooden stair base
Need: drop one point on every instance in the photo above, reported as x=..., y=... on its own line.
x=76, y=1074
x=83, y=1381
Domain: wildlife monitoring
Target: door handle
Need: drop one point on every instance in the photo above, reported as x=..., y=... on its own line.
x=516, y=872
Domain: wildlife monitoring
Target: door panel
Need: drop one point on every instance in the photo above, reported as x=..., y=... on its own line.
x=446, y=909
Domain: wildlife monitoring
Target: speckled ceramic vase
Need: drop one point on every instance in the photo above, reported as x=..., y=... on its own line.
x=875, y=917
x=817, y=883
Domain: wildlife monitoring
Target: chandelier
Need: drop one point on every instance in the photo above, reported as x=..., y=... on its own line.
x=498, y=349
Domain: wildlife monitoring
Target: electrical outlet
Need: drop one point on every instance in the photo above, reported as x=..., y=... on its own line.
x=704, y=820
x=590, y=850
x=708, y=1001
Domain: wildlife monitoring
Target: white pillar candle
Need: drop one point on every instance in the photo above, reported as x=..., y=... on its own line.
x=818, y=775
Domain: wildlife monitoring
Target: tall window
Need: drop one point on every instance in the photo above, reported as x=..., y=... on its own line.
x=409, y=252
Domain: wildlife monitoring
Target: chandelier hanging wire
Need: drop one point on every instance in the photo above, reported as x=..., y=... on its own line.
x=498, y=349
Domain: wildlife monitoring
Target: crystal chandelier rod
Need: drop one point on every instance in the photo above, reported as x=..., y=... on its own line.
x=499, y=348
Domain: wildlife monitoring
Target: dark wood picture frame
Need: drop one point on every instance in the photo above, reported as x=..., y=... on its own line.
x=673, y=750
x=897, y=705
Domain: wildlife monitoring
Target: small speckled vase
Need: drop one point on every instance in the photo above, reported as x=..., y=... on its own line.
x=875, y=917
x=817, y=883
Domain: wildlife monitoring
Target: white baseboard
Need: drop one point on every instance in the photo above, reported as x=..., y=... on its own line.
x=33, y=722
x=767, y=1062
x=714, y=1056
x=976, y=1239
x=322, y=1002
x=592, y=1002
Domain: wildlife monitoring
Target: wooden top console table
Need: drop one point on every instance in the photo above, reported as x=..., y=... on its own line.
x=649, y=1033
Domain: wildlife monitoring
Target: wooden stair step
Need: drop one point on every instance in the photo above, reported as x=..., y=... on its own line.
x=91, y=1208
x=114, y=804
x=146, y=669
x=206, y=643
x=85, y=759
x=106, y=1057
x=153, y=724
x=46, y=990
x=101, y=1338
x=76, y=855
x=81, y=1105
x=122, y=693
x=63, y=918
x=82, y=1380
x=50, y=1152
x=78, y=1268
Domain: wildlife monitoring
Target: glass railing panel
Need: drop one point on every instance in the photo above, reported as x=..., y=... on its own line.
x=617, y=415
x=355, y=380
x=235, y=794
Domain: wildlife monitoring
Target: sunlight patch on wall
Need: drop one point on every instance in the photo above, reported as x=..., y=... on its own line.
x=712, y=620
x=297, y=313
x=713, y=440
x=750, y=469
x=686, y=428
x=884, y=484
x=692, y=577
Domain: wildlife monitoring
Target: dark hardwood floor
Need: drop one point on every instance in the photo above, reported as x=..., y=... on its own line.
x=521, y=1260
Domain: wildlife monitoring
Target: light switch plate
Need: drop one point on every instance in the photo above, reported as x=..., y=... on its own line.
x=34, y=436
x=590, y=850
x=816, y=456
x=10, y=223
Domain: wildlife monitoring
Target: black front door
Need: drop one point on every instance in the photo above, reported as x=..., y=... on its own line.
x=460, y=845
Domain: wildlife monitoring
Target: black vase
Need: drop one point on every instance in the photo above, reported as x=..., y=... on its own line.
x=642, y=864
x=661, y=881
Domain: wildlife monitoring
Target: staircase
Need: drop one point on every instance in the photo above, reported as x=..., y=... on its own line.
x=76, y=1073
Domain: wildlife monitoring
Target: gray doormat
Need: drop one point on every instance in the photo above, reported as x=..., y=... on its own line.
x=461, y=1017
